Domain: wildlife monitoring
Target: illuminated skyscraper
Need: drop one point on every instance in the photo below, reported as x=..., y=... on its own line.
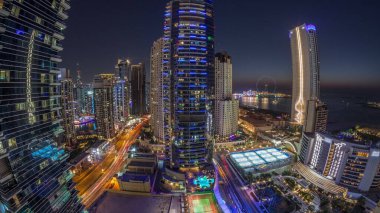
x=67, y=103
x=305, y=60
x=226, y=108
x=188, y=67
x=123, y=69
x=316, y=120
x=34, y=174
x=157, y=92
x=138, y=100
x=121, y=103
x=104, y=104
x=88, y=99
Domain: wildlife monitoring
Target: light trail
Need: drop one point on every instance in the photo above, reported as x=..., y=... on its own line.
x=92, y=193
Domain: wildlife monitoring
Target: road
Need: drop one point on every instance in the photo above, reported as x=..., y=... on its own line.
x=93, y=185
x=235, y=188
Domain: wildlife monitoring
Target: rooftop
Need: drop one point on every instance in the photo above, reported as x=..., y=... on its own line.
x=134, y=177
x=142, y=164
x=258, y=157
x=130, y=202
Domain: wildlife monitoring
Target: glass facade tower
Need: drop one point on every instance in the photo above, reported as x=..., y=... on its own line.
x=34, y=175
x=188, y=67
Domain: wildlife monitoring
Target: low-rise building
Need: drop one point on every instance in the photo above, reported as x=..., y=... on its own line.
x=134, y=182
x=350, y=163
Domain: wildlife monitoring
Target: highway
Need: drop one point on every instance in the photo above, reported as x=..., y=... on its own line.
x=236, y=189
x=93, y=185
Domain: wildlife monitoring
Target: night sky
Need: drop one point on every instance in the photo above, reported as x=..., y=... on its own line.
x=253, y=32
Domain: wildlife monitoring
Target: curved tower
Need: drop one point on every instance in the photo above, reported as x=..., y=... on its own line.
x=305, y=61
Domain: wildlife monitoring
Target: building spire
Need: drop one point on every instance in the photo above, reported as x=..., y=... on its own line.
x=78, y=75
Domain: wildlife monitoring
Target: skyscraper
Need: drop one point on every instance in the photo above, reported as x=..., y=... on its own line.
x=138, y=89
x=34, y=174
x=121, y=98
x=226, y=108
x=67, y=103
x=156, y=92
x=188, y=67
x=123, y=70
x=121, y=104
x=104, y=104
x=316, y=120
x=78, y=94
x=305, y=60
x=87, y=99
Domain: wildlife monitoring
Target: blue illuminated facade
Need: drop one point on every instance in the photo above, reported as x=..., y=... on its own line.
x=34, y=173
x=188, y=67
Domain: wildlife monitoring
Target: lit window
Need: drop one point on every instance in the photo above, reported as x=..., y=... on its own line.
x=1, y=4
x=20, y=106
x=2, y=150
x=38, y=20
x=15, y=11
x=43, y=78
x=4, y=76
x=12, y=143
x=54, y=4
x=47, y=39
x=363, y=154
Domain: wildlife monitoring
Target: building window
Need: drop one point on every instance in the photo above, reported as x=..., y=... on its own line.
x=20, y=106
x=2, y=150
x=38, y=20
x=47, y=39
x=54, y=4
x=1, y=4
x=44, y=117
x=45, y=103
x=43, y=78
x=44, y=164
x=12, y=143
x=4, y=76
x=15, y=11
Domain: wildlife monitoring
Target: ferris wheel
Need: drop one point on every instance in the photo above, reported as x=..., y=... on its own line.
x=266, y=84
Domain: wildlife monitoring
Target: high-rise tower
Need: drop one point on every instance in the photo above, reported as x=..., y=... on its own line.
x=67, y=104
x=34, y=174
x=104, y=104
x=156, y=91
x=188, y=78
x=226, y=108
x=138, y=89
x=305, y=60
x=123, y=69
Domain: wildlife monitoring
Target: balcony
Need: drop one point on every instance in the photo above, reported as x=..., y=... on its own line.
x=65, y=5
x=60, y=25
x=58, y=60
x=58, y=36
x=4, y=13
x=58, y=48
x=63, y=15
